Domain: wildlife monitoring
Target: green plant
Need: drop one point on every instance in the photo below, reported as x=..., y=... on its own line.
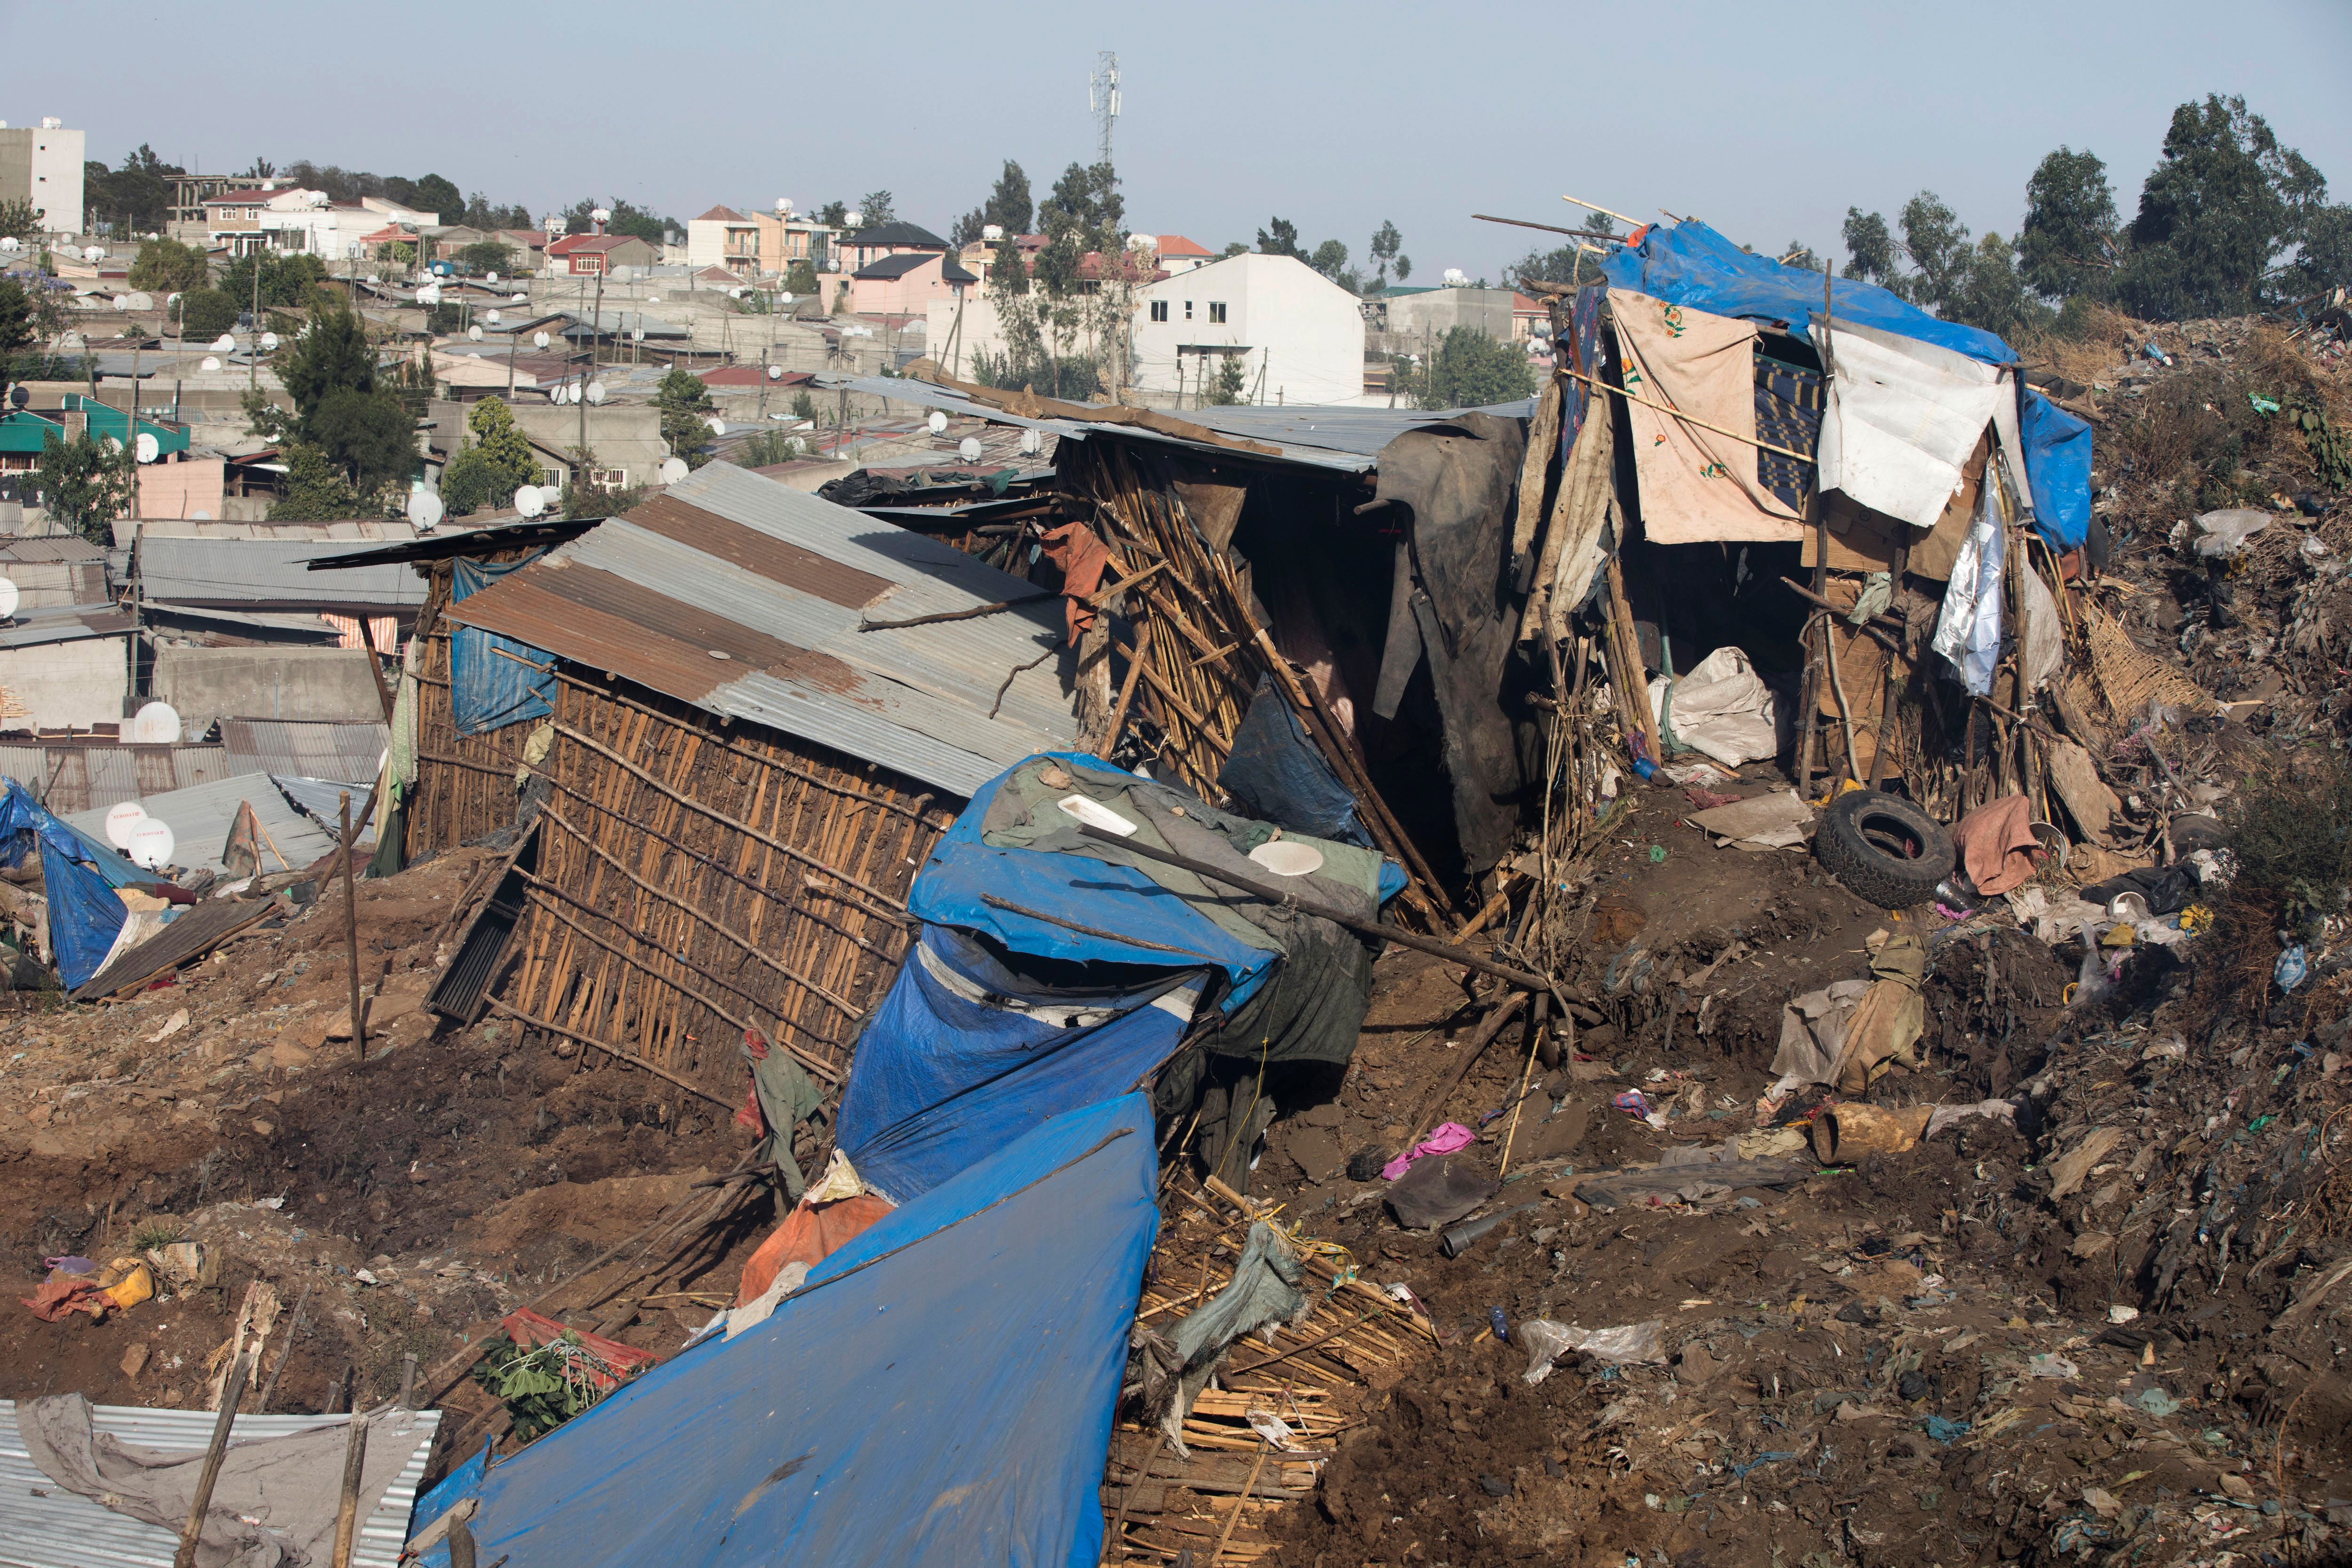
x=499, y=461
x=156, y=1233
x=804, y=406
x=762, y=448
x=204, y=314
x=316, y=490
x=489, y=256
x=15, y=317
x=19, y=220
x=685, y=405
x=166, y=266
x=2291, y=828
x=87, y=483
x=800, y=281
x=1471, y=370
x=1231, y=383
x=545, y=1387
x=2331, y=448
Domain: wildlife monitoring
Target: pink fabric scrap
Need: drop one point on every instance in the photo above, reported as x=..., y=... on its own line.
x=1447, y=1137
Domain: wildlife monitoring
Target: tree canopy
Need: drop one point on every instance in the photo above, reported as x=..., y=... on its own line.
x=685, y=405
x=627, y=218
x=166, y=266
x=496, y=462
x=1471, y=370
x=87, y=483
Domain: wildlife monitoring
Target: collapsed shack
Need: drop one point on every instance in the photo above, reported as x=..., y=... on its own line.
x=715, y=788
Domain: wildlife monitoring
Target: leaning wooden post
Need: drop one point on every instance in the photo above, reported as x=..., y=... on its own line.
x=231, y=1392
x=347, y=1511
x=352, y=930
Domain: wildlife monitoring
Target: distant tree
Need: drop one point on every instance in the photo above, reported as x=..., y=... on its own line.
x=167, y=267
x=762, y=448
x=1231, y=383
x=1558, y=264
x=1870, y=249
x=1008, y=205
x=16, y=330
x=439, y=196
x=204, y=314
x=804, y=406
x=685, y=405
x=2068, y=244
x=316, y=490
x=1403, y=268
x=1330, y=258
x=966, y=229
x=333, y=355
x=368, y=435
x=627, y=218
x=260, y=169
x=834, y=215
x=87, y=483
x=2324, y=260
x=481, y=213
x=489, y=256
x=1798, y=254
x=1471, y=370
x=878, y=208
x=1282, y=241
x=2225, y=199
x=20, y=221
x=1237, y=248
x=288, y=281
x=1387, y=244
x=497, y=463
x=135, y=198
x=1937, y=241
x=800, y=281
x=1086, y=204
x=1990, y=293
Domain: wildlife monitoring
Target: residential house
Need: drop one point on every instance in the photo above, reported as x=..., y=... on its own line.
x=1431, y=312
x=589, y=255
x=42, y=164
x=65, y=667
x=530, y=246
x=1298, y=336
x=1178, y=253
x=624, y=441
x=784, y=241
x=268, y=217
x=868, y=245
x=54, y=572
x=908, y=283
x=723, y=237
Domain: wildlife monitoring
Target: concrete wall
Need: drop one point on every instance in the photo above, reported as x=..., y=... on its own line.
x=71, y=684
x=189, y=489
x=209, y=683
x=44, y=167
x=622, y=435
x=1440, y=310
x=1302, y=333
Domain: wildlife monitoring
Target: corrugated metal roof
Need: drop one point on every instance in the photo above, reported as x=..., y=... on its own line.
x=71, y=776
x=50, y=547
x=199, y=818
x=742, y=597
x=63, y=622
x=63, y=1530
x=282, y=624
x=514, y=533
x=237, y=572
x=305, y=748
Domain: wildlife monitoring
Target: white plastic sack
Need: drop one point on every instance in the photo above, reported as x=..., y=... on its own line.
x=1546, y=1341
x=1903, y=419
x=1722, y=708
x=2224, y=533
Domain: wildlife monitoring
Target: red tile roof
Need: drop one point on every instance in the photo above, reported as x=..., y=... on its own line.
x=1177, y=244
x=724, y=214
x=571, y=242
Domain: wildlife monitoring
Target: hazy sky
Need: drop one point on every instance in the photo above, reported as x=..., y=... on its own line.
x=1768, y=121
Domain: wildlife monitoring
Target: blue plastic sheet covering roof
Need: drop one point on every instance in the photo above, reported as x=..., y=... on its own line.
x=1689, y=264
x=940, y=1391
x=487, y=688
x=1277, y=774
x=2058, y=468
x=77, y=874
x=964, y=1048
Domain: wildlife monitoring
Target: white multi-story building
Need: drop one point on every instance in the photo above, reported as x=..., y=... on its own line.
x=270, y=216
x=42, y=164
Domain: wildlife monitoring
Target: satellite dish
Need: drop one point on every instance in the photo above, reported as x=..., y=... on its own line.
x=492, y=317
x=224, y=343
x=200, y=517
x=474, y=335
x=122, y=301
x=991, y=232
x=1032, y=443
x=937, y=422
x=539, y=339
x=601, y=215
x=653, y=298
x=855, y=219
x=775, y=373
x=8, y=596
x=429, y=295
x=489, y=277
x=210, y=364
x=596, y=391
x=552, y=494
x=784, y=297
x=8, y=243
x=968, y=450
x=151, y=844
x=735, y=293
x=784, y=206
x=424, y=510
x=718, y=425
x=375, y=278
x=93, y=253
x=155, y=724
x=528, y=502
x=126, y=816
x=170, y=299
x=672, y=470
x=518, y=297
x=269, y=342
x=146, y=447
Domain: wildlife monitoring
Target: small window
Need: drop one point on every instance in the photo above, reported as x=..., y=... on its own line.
x=1160, y=310
x=609, y=479
x=1217, y=312
x=1188, y=309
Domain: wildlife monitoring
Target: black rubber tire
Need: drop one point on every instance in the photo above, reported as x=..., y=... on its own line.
x=1884, y=848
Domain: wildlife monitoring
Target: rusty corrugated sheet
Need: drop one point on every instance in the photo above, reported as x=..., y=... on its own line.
x=777, y=560
x=931, y=702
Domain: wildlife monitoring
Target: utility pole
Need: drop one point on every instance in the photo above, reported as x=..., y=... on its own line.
x=253, y=352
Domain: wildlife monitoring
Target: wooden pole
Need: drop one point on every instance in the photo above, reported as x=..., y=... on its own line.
x=352, y=930
x=231, y=1392
x=1888, y=719
x=347, y=1511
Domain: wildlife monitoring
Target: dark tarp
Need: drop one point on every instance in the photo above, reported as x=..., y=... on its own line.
x=2058, y=468
x=487, y=689
x=1457, y=480
x=938, y=1392
x=79, y=875
x=1277, y=774
x=1689, y=264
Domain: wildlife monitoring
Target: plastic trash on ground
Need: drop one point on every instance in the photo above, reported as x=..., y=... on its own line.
x=1546, y=1341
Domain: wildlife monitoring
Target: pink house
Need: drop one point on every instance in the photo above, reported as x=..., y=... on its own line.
x=907, y=283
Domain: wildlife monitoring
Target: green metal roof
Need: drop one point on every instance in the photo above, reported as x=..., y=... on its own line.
x=25, y=431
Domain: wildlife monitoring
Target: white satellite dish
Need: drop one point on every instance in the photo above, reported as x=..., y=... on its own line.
x=968, y=450
x=489, y=277
x=1032, y=443
x=424, y=510
x=528, y=502
x=552, y=494
x=492, y=317
x=784, y=297
x=937, y=422
x=269, y=342
x=539, y=339
x=93, y=253
x=224, y=343
x=200, y=517
x=151, y=844
x=125, y=815
x=718, y=425
x=429, y=295
x=517, y=298
x=474, y=335
x=155, y=724
x=784, y=206
x=1287, y=857
x=596, y=391
x=9, y=243
x=601, y=215
x=8, y=596
x=146, y=447
x=775, y=373
x=374, y=278
x=735, y=293
x=170, y=299
x=672, y=470
x=653, y=298
x=122, y=301
x=991, y=232
x=853, y=219
x=209, y=364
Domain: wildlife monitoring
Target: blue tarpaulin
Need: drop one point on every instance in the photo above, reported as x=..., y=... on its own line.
x=78, y=875
x=489, y=691
x=940, y=1391
x=2058, y=468
x=963, y=1051
x=1275, y=774
x=1689, y=264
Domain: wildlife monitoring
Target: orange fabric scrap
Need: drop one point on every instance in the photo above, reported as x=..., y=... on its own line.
x=1996, y=845
x=810, y=1234
x=1083, y=559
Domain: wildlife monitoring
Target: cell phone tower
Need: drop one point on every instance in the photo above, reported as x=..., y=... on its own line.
x=1102, y=95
